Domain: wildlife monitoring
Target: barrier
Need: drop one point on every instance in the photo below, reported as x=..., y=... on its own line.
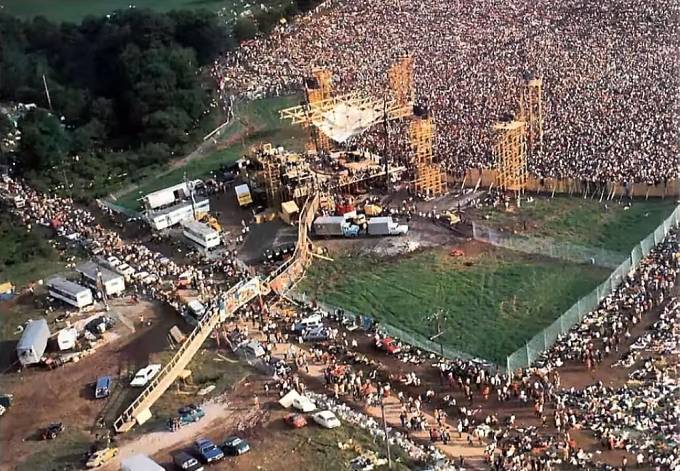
x=547, y=246
x=489, y=177
x=532, y=350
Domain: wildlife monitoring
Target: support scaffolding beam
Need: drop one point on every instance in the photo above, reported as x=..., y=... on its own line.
x=429, y=179
x=531, y=111
x=510, y=154
x=400, y=78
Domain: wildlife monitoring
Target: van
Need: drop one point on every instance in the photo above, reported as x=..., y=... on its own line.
x=102, y=388
x=307, y=323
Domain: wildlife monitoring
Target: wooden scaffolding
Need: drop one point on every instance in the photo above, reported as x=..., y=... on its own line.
x=429, y=179
x=531, y=111
x=318, y=89
x=272, y=179
x=509, y=149
x=400, y=77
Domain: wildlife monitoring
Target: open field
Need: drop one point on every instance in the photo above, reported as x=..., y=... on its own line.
x=257, y=122
x=496, y=299
x=76, y=10
x=26, y=256
x=582, y=221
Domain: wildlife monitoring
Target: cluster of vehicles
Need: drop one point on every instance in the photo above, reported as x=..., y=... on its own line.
x=205, y=451
x=353, y=225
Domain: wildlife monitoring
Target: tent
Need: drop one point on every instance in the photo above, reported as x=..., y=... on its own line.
x=6, y=291
x=287, y=400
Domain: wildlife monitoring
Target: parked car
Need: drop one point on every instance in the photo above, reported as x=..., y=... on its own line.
x=102, y=387
x=113, y=261
x=389, y=345
x=186, y=462
x=304, y=404
x=101, y=457
x=145, y=375
x=52, y=431
x=235, y=446
x=295, y=420
x=207, y=451
x=252, y=348
x=190, y=413
x=326, y=419
x=318, y=334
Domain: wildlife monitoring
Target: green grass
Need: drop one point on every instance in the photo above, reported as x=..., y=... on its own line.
x=258, y=122
x=76, y=10
x=25, y=256
x=585, y=222
x=63, y=452
x=494, y=305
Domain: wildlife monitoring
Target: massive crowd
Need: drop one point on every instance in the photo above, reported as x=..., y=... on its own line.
x=609, y=70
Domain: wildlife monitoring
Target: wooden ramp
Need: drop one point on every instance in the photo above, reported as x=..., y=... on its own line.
x=139, y=410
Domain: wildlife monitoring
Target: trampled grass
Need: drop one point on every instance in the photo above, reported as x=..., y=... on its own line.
x=258, y=122
x=495, y=301
x=584, y=221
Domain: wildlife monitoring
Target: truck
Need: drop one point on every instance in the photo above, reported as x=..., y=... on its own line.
x=385, y=225
x=243, y=195
x=33, y=342
x=334, y=226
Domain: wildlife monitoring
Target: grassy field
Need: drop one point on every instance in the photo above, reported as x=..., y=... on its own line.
x=584, y=222
x=496, y=300
x=258, y=122
x=25, y=256
x=76, y=10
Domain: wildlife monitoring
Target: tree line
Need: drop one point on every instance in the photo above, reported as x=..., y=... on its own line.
x=127, y=92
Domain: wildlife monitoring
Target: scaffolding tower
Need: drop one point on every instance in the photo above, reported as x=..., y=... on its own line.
x=272, y=179
x=531, y=111
x=429, y=179
x=509, y=149
x=319, y=88
x=400, y=78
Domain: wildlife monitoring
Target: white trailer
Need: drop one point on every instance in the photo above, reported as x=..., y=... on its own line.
x=328, y=225
x=112, y=283
x=33, y=342
x=168, y=217
x=170, y=195
x=385, y=226
x=140, y=463
x=69, y=292
x=201, y=234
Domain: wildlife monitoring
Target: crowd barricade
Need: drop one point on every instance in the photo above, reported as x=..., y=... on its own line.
x=488, y=177
x=541, y=342
x=547, y=246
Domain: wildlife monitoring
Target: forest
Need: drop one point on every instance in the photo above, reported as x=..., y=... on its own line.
x=128, y=92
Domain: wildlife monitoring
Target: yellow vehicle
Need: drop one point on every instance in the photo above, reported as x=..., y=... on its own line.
x=101, y=457
x=451, y=217
x=372, y=210
x=210, y=221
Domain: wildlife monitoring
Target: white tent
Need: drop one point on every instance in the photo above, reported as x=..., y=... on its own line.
x=345, y=121
x=287, y=400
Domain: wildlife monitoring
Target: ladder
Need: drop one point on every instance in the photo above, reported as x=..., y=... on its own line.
x=138, y=411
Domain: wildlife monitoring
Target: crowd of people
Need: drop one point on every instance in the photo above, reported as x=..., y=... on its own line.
x=609, y=75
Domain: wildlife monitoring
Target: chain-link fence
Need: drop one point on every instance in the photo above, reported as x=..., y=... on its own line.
x=531, y=351
x=547, y=246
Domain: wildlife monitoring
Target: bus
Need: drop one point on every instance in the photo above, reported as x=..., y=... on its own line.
x=112, y=283
x=69, y=292
x=201, y=234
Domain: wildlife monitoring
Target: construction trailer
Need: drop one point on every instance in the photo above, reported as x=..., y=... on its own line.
x=385, y=225
x=173, y=215
x=71, y=293
x=33, y=342
x=201, y=234
x=99, y=277
x=170, y=196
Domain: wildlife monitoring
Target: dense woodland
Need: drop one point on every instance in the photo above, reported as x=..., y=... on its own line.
x=128, y=91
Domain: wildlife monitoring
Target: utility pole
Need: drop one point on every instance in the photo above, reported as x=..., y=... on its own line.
x=387, y=440
x=47, y=92
x=439, y=319
x=190, y=187
x=386, y=145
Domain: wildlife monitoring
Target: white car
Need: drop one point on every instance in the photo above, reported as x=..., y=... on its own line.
x=113, y=261
x=326, y=419
x=304, y=404
x=145, y=375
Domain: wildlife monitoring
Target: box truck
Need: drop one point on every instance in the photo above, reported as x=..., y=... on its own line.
x=381, y=226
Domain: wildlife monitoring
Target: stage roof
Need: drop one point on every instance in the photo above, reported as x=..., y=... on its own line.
x=344, y=121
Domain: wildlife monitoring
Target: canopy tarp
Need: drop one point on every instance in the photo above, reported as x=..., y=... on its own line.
x=345, y=121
